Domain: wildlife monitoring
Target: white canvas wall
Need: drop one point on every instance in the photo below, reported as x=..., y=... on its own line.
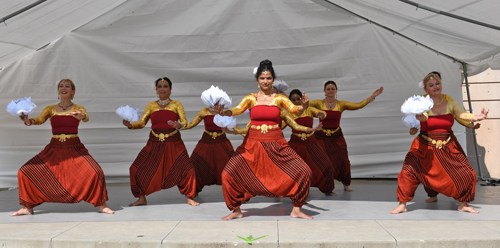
x=202, y=43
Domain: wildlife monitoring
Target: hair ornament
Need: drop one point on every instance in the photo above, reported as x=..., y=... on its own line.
x=421, y=85
x=255, y=70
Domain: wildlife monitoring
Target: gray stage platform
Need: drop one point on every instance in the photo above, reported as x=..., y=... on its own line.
x=351, y=219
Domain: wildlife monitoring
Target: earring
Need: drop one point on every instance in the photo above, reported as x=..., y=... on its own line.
x=157, y=96
x=258, y=86
x=72, y=97
x=57, y=96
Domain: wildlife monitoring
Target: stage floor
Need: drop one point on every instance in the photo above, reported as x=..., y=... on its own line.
x=351, y=219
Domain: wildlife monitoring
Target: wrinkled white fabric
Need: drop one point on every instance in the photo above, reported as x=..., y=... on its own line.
x=411, y=121
x=128, y=113
x=21, y=106
x=225, y=121
x=417, y=105
x=215, y=95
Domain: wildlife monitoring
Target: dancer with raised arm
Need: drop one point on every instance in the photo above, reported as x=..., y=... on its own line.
x=264, y=164
x=164, y=161
x=306, y=145
x=64, y=171
x=331, y=138
x=435, y=159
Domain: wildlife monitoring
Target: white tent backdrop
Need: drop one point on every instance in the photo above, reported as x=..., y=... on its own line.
x=115, y=59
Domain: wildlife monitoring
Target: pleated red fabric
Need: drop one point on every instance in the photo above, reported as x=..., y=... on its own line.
x=265, y=165
x=63, y=172
x=209, y=158
x=322, y=170
x=162, y=165
x=336, y=149
x=444, y=170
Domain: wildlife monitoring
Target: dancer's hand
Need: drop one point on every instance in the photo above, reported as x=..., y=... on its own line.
x=482, y=116
x=317, y=128
x=78, y=114
x=127, y=124
x=413, y=131
x=175, y=124
x=304, y=102
x=321, y=115
x=25, y=119
x=375, y=94
x=474, y=125
x=226, y=130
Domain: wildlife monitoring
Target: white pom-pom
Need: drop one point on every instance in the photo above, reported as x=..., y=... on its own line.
x=225, y=121
x=128, y=113
x=417, y=105
x=421, y=85
x=20, y=106
x=280, y=85
x=411, y=121
x=215, y=95
x=255, y=70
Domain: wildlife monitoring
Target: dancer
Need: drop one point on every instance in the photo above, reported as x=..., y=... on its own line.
x=435, y=159
x=211, y=153
x=331, y=138
x=468, y=124
x=306, y=145
x=164, y=161
x=264, y=164
x=64, y=171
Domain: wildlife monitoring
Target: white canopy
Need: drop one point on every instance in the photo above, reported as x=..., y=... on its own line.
x=119, y=48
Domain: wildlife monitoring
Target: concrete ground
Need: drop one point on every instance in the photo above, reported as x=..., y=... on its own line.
x=351, y=219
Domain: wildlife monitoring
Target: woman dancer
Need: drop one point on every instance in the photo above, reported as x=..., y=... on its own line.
x=164, y=161
x=431, y=193
x=308, y=149
x=264, y=164
x=435, y=159
x=331, y=138
x=211, y=153
x=64, y=171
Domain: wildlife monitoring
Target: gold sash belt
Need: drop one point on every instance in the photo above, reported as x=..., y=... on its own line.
x=303, y=136
x=264, y=128
x=214, y=134
x=329, y=132
x=439, y=143
x=62, y=137
x=163, y=136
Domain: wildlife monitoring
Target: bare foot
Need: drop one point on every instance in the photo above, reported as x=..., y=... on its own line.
x=331, y=194
x=347, y=188
x=297, y=213
x=142, y=201
x=464, y=207
x=105, y=209
x=432, y=199
x=236, y=214
x=400, y=209
x=192, y=202
x=23, y=211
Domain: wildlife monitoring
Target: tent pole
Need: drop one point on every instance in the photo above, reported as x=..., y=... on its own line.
x=5, y=18
x=464, y=66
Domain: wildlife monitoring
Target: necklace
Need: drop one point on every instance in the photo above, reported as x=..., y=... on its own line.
x=331, y=103
x=164, y=102
x=437, y=104
x=65, y=107
x=265, y=96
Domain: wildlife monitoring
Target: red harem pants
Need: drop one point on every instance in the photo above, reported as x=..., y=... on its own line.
x=63, y=172
x=322, y=170
x=265, y=165
x=444, y=170
x=162, y=165
x=336, y=149
x=209, y=158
